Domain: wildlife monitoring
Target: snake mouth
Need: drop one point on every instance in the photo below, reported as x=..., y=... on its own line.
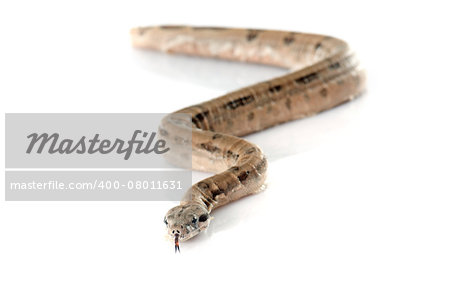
x=178, y=236
x=184, y=237
x=183, y=234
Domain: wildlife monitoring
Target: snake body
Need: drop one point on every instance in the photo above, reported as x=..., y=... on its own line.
x=325, y=74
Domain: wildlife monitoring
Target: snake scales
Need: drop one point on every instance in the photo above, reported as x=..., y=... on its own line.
x=325, y=73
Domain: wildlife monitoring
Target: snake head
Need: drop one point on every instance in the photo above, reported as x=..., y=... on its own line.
x=186, y=220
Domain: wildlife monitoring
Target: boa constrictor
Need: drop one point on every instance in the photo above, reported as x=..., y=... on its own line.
x=325, y=74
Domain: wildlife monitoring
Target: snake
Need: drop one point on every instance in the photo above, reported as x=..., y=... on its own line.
x=324, y=72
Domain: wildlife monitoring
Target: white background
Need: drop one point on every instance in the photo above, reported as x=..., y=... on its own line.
x=360, y=193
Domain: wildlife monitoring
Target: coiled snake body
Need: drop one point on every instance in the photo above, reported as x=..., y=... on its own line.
x=325, y=73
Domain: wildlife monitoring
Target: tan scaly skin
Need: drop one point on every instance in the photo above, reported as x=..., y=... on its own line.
x=324, y=74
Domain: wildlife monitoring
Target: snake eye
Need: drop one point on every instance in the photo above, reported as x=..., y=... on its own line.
x=204, y=217
x=194, y=220
x=165, y=221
